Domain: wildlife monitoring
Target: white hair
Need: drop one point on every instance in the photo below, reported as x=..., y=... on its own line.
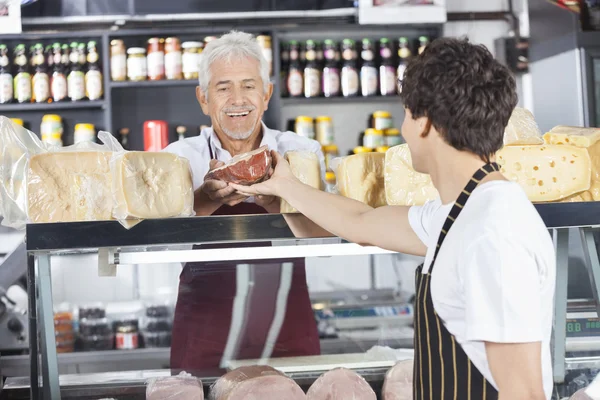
x=233, y=45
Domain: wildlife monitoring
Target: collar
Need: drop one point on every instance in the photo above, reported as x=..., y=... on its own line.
x=268, y=138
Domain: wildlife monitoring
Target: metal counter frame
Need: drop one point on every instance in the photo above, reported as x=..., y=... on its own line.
x=157, y=241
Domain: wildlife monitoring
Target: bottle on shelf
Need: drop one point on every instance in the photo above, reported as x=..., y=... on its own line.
x=173, y=59
x=58, y=84
x=124, y=138
x=387, y=71
x=181, y=131
x=40, y=80
x=295, y=81
x=404, y=54
x=6, y=77
x=331, y=70
x=93, y=76
x=312, y=72
x=76, y=76
x=369, y=76
x=49, y=55
x=156, y=59
x=118, y=61
x=265, y=44
x=285, y=65
x=423, y=43
x=22, y=81
x=349, y=76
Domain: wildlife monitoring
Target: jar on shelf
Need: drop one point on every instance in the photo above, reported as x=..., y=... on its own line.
x=330, y=152
x=373, y=138
x=191, y=59
x=305, y=127
x=156, y=59
x=265, y=44
x=173, y=59
x=156, y=339
x=118, y=60
x=126, y=334
x=392, y=137
x=136, y=64
x=382, y=120
x=92, y=310
x=52, y=130
x=324, y=129
x=157, y=324
x=94, y=327
x=84, y=133
x=330, y=181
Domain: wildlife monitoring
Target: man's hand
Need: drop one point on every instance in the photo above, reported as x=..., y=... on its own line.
x=214, y=193
x=273, y=185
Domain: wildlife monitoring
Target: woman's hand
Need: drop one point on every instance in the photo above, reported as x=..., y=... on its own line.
x=281, y=175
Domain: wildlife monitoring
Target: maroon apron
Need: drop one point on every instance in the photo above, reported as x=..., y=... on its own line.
x=205, y=305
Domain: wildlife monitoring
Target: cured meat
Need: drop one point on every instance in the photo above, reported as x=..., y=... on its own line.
x=244, y=169
x=398, y=384
x=182, y=387
x=341, y=384
x=256, y=382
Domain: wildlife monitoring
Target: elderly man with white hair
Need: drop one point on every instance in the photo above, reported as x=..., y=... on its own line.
x=209, y=327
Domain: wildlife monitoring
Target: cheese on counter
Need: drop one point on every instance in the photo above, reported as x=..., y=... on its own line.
x=305, y=166
x=547, y=172
x=69, y=186
x=151, y=185
x=403, y=185
x=522, y=129
x=360, y=177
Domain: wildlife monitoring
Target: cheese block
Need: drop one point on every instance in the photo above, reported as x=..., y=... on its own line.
x=403, y=185
x=305, y=166
x=151, y=185
x=522, y=129
x=360, y=177
x=547, y=172
x=69, y=186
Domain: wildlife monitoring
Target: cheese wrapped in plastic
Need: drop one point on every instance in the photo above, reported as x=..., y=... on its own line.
x=181, y=387
x=403, y=185
x=151, y=185
x=522, y=129
x=588, y=138
x=305, y=166
x=360, y=177
x=547, y=172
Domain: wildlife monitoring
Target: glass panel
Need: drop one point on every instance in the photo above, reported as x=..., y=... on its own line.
x=597, y=88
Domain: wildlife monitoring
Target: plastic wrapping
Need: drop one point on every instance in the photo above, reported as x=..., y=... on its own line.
x=398, y=384
x=522, y=129
x=244, y=169
x=360, y=177
x=256, y=382
x=181, y=387
x=340, y=384
x=403, y=185
x=305, y=166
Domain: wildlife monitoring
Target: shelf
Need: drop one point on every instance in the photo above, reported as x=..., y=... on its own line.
x=163, y=83
x=77, y=105
x=296, y=101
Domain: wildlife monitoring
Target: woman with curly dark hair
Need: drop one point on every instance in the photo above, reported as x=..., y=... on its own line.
x=484, y=301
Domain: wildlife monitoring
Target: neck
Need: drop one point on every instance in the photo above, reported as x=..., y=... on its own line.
x=451, y=173
x=240, y=146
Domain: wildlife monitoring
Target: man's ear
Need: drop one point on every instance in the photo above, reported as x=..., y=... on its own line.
x=268, y=94
x=202, y=99
x=425, y=126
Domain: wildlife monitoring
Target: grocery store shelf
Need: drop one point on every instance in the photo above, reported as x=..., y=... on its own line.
x=77, y=105
x=295, y=101
x=163, y=83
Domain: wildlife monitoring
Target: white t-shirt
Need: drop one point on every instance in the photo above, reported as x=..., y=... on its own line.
x=494, y=277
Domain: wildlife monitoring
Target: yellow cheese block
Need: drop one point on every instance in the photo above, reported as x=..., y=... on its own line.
x=69, y=186
x=547, y=172
x=151, y=185
x=403, y=185
x=522, y=129
x=360, y=177
x=305, y=166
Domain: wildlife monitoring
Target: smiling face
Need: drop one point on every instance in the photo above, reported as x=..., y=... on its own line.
x=236, y=99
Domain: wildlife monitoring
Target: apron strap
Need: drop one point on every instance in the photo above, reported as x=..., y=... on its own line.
x=460, y=203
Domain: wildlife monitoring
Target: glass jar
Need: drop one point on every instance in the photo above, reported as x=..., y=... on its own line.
x=84, y=133
x=126, y=335
x=382, y=120
x=136, y=64
x=392, y=137
x=325, y=131
x=156, y=59
x=52, y=130
x=191, y=59
x=118, y=61
x=173, y=59
x=92, y=310
x=330, y=152
x=373, y=138
x=94, y=327
x=305, y=127
x=265, y=44
x=156, y=339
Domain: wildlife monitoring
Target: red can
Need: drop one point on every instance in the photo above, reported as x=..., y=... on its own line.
x=156, y=135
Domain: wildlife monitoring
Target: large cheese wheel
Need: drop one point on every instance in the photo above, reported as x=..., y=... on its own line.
x=360, y=177
x=340, y=384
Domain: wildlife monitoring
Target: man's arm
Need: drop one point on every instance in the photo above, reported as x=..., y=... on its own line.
x=516, y=370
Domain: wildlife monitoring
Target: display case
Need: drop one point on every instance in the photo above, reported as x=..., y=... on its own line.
x=177, y=240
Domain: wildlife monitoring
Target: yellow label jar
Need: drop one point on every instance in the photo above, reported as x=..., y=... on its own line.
x=330, y=152
x=325, y=131
x=137, y=67
x=52, y=130
x=84, y=133
x=392, y=137
x=191, y=59
x=382, y=120
x=373, y=138
x=305, y=127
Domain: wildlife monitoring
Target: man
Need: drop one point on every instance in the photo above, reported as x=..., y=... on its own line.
x=484, y=302
x=235, y=91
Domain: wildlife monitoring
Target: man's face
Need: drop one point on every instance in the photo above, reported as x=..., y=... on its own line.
x=412, y=130
x=236, y=99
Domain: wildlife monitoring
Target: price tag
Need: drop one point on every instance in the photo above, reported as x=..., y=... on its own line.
x=10, y=16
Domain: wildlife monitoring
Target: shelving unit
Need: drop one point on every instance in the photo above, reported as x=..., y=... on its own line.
x=152, y=84
x=79, y=105
x=291, y=101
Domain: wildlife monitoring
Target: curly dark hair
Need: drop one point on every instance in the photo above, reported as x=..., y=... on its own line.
x=466, y=94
